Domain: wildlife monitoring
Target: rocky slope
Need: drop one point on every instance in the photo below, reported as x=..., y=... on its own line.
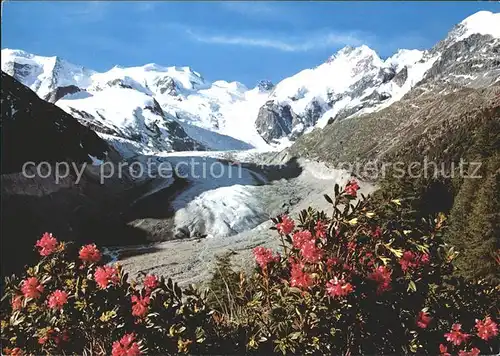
x=32, y=203
x=417, y=124
x=56, y=135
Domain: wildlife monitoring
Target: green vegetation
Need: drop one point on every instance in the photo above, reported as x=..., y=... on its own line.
x=443, y=129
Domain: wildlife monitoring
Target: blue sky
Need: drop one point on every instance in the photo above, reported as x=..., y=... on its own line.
x=243, y=41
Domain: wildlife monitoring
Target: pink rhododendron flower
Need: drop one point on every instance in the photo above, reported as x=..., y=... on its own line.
x=351, y=246
x=150, y=282
x=338, y=288
x=140, y=306
x=32, y=288
x=61, y=337
x=16, y=302
x=299, y=278
x=377, y=232
x=473, y=352
x=456, y=336
x=263, y=256
x=126, y=346
x=352, y=188
x=48, y=334
x=310, y=252
x=16, y=351
x=425, y=259
x=382, y=275
x=105, y=275
x=424, y=319
x=368, y=255
x=330, y=262
x=90, y=253
x=408, y=260
x=486, y=329
x=47, y=244
x=300, y=238
x=320, y=229
x=286, y=225
x=347, y=267
x=443, y=350
x=57, y=299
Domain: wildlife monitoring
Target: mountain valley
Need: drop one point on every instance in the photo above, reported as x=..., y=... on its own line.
x=282, y=142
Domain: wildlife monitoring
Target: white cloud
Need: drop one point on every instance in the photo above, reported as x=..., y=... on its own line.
x=288, y=44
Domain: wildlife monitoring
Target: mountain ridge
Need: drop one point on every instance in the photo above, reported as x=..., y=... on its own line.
x=195, y=114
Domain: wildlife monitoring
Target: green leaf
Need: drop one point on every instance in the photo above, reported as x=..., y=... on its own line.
x=412, y=286
x=295, y=335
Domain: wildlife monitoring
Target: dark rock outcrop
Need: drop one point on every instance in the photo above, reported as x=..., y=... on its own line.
x=387, y=74
x=265, y=85
x=35, y=130
x=401, y=76
x=60, y=92
x=473, y=61
x=167, y=85
x=313, y=112
x=118, y=83
x=377, y=97
x=274, y=121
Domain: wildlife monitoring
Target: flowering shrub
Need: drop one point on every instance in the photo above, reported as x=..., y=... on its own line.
x=72, y=303
x=368, y=279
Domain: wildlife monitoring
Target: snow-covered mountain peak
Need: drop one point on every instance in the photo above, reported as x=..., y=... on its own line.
x=362, y=50
x=404, y=57
x=8, y=52
x=155, y=76
x=153, y=67
x=350, y=61
x=233, y=86
x=299, y=101
x=349, y=53
x=44, y=74
x=343, y=70
x=124, y=100
x=484, y=23
x=190, y=70
x=356, y=80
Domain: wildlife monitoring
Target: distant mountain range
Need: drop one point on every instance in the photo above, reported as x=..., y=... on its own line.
x=150, y=109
